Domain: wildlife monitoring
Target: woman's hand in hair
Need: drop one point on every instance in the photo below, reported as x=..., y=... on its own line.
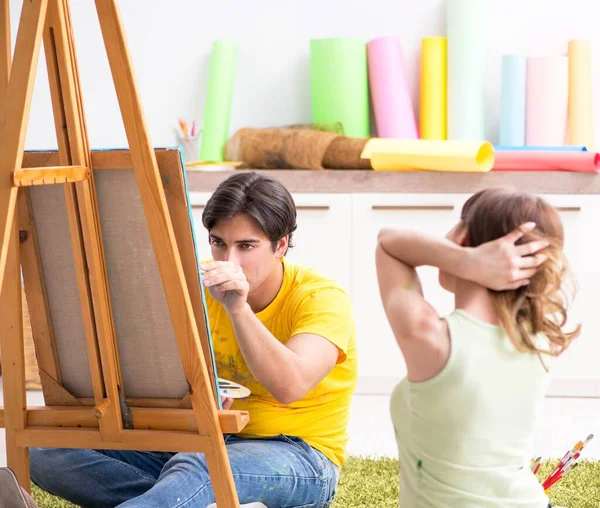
x=227, y=284
x=502, y=265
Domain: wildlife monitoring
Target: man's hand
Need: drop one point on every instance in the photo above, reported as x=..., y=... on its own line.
x=502, y=265
x=227, y=284
x=226, y=402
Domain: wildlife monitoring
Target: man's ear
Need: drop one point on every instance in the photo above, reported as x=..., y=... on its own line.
x=282, y=246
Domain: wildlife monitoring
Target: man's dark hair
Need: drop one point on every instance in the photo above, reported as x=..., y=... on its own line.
x=261, y=197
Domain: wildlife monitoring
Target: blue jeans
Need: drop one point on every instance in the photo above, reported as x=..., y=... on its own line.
x=280, y=472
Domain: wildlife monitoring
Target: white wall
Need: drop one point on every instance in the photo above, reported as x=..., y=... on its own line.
x=170, y=43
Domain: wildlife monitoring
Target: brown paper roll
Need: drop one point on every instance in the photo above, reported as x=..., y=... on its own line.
x=344, y=153
x=279, y=148
x=295, y=148
x=324, y=127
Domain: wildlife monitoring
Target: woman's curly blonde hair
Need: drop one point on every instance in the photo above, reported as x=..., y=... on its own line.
x=541, y=306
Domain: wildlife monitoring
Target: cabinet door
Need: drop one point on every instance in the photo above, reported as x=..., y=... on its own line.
x=580, y=214
x=379, y=355
x=321, y=240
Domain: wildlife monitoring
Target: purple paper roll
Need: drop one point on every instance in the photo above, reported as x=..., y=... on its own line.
x=390, y=95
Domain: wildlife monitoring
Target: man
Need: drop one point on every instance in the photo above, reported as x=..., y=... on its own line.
x=282, y=330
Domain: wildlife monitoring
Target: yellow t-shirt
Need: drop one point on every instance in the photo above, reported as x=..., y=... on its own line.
x=306, y=303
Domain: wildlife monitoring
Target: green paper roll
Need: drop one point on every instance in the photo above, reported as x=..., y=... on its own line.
x=218, y=100
x=467, y=61
x=339, y=84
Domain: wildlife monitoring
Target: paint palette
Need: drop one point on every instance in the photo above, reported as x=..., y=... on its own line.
x=232, y=390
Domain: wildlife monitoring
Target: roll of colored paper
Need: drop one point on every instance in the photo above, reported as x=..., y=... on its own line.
x=581, y=123
x=217, y=109
x=279, y=148
x=467, y=49
x=566, y=148
x=432, y=111
x=513, y=93
x=390, y=94
x=585, y=162
x=547, y=97
x=410, y=155
x=339, y=84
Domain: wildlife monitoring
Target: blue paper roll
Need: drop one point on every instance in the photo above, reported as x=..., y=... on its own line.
x=513, y=94
x=504, y=148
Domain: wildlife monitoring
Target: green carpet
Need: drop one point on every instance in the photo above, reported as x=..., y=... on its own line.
x=370, y=483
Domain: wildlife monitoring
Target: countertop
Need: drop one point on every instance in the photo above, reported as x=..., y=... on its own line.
x=344, y=181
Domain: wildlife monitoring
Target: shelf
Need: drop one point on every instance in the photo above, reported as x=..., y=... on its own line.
x=343, y=181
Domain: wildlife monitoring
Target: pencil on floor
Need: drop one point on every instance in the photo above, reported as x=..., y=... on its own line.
x=536, y=465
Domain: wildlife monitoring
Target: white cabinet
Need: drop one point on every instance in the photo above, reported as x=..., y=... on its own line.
x=322, y=237
x=436, y=214
x=580, y=214
x=575, y=373
x=337, y=235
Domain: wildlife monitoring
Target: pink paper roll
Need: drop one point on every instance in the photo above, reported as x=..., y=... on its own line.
x=547, y=100
x=584, y=162
x=390, y=95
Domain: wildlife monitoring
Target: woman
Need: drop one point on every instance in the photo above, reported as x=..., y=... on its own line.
x=464, y=416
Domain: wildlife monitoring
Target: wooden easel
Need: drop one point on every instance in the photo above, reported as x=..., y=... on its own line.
x=108, y=421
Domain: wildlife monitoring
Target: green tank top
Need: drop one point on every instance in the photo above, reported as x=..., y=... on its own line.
x=465, y=436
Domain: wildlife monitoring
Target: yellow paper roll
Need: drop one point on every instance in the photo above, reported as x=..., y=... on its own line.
x=432, y=117
x=581, y=124
x=411, y=155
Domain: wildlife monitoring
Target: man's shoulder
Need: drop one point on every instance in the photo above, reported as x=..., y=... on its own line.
x=305, y=280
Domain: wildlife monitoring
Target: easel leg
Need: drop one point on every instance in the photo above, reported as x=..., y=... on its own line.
x=165, y=248
x=83, y=217
x=13, y=127
x=13, y=359
x=16, y=106
x=221, y=477
x=5, y=52
x=8, y=201
x=5, y=58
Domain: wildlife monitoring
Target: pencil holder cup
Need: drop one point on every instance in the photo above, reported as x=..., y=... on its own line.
x=190, y=147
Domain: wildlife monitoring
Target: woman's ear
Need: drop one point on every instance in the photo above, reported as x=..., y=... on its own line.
x=462, y=237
